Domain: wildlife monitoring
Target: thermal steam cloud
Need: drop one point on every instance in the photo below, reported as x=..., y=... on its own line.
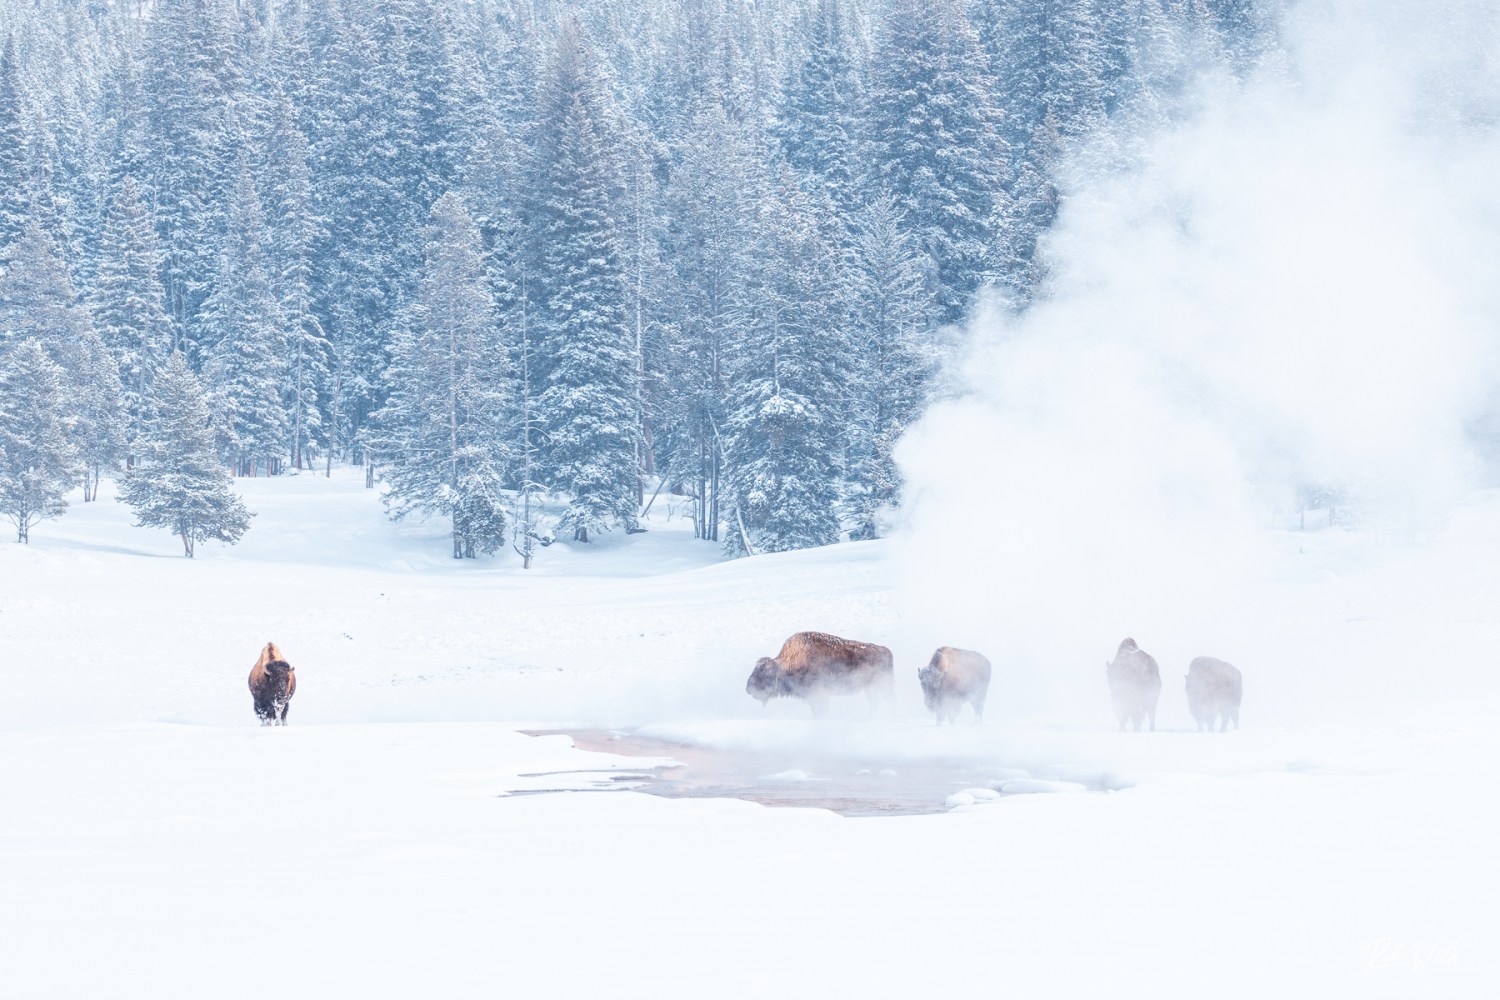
x=1295, y=285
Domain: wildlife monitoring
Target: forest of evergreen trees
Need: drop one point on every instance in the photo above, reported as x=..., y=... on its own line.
x=517, y=256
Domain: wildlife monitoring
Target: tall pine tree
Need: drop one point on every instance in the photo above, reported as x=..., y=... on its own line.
x=936, y=144
x=179, y=484
x=587, y=407
x=38, y=457
x=787, y=414
x=442, y=435
x=240, y=330
x=127, y=302
x=293, y=233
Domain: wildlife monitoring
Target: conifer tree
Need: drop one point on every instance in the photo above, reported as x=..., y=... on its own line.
x=97, y=400
x=241, y=331
x=819, y=124
x=713, y=206
x=894, y=358
x=127, y=302
x=1052, y=65
x=194, y=84
x=36, y=293
x=178, y=484
x=370, y=246
x=787, y=416
x=37, y=302
x=587, y=405
x=293, y=233
x=442, y=435
x=38, y=457
x=936, y=145
x=14, y=168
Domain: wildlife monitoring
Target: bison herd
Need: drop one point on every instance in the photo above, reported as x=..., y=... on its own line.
x=815, y=666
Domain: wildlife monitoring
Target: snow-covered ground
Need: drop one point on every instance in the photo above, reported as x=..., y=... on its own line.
x=155, y=842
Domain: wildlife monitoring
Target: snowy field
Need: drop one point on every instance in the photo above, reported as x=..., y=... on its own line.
x=155, y=842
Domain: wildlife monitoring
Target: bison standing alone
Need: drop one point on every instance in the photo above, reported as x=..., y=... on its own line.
x=1134, y=685
x=952, y=677
x=814, y=666
x=272, y=684
x=1213, y=690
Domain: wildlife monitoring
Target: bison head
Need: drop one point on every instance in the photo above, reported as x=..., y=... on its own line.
x=931, y=679
x=765, y=680
x=279, y=672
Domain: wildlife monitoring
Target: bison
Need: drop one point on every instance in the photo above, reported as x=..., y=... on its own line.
x=954, y=676
x=1213, y=690
x=272, y=684
x=1134, y=685
x=814, y=666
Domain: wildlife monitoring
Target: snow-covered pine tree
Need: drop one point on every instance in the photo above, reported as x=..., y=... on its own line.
x=820, y=123
x=178, y=483
x=36, y=294
x=37, y=302
x=240, y=330
x=370, y=251
x=194, y=86
x=14, y=169
x=587, y=407
x=712, y=205
x=38, y=456
x=894, y=358
x=97, y=400
x=47, y=201
x=1051, y=65
x=936, y=144
x=441, y=437
x=127, y=302
x=293, y=234
x=787, y=412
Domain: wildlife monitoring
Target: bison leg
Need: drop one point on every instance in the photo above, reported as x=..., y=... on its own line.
x=819, y=707
x=978, y=702
x=284, y=707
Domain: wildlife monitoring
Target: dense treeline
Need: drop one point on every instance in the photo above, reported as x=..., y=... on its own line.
x=522, y=255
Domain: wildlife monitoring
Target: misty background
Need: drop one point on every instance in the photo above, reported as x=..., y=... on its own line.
x=1288, y=300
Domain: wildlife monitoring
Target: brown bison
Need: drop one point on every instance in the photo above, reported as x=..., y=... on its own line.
x=954, y=676
x=814, y=666
x=1213, y=689
x=1134, y=685
x=272, y=684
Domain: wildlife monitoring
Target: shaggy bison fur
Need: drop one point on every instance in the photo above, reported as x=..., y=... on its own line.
x=272, y=684
x=1134, y=685
x=815, y=666
x=954, y=676
x=1213, y=690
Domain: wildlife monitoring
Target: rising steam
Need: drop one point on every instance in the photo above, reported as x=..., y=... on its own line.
x=1294, y=287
